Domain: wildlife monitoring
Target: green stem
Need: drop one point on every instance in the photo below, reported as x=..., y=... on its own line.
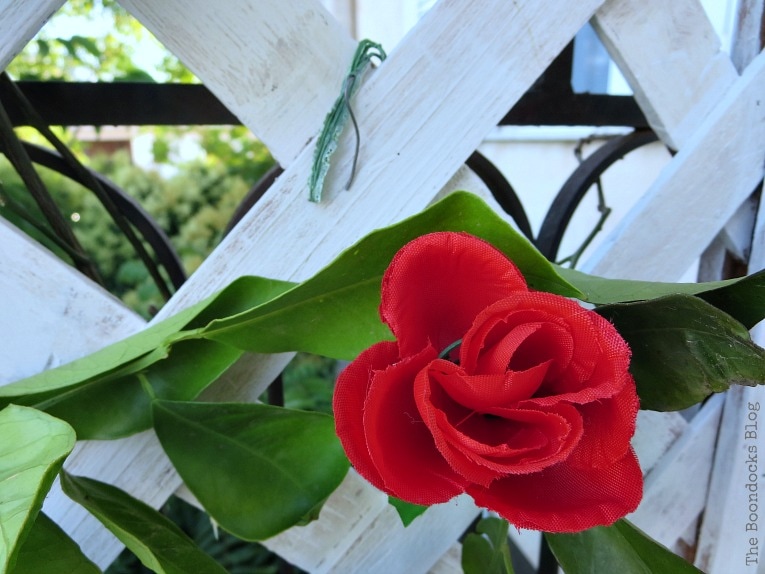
x=449, y=349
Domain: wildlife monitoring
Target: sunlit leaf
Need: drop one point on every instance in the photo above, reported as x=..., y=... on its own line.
x=33, y=447
x=48, y=549
x=257, y=469
x=684, y=349
x=486, y=551
x=619, y=548
x=157, y=542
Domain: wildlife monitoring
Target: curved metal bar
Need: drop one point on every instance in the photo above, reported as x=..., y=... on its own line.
x=571, y=193
x=502, y=191
x=135, y=214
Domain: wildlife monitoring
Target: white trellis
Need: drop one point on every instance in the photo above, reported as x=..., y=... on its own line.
x=278, y=65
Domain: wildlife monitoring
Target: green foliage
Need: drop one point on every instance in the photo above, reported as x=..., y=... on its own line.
x=684, y=349
x=308, y=383
x=106, y=53
x=48, y=549
x=618, y=548
x=155, y=540
x=257, y=469
x=237, y=556
x=32, y=449
x=486, y=551
x=407, y=511
x=193, y=207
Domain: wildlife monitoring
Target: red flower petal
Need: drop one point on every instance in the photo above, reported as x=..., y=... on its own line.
x=608, y=428
x=564, y=498
x=437, y=284
x=483, y=445
x=350, y=394
x=400, y=445
x=483, y=392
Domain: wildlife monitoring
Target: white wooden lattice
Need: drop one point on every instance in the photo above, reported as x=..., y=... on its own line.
x=277, y=66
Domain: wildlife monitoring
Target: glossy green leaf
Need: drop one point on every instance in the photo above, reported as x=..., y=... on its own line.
x=157, y=542
x=743, y=298
x=407, y=511
x=335, y=313
x=684, y=349
x=102, y=395
x=486, y=551
x=257, y=469
x=48, y=549
x=618, y=548
x=117, y=408
x=603, y=291
x=33, y=448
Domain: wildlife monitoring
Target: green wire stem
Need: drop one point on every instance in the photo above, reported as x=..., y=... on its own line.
x=338, y=116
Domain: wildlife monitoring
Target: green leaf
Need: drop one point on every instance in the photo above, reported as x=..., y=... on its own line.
x=602, y=291
x=618, y=548
x=335, y=313
x=486, y=550
x=115, y=408
x=407, y=511
x=684, y=349
x=32, y=451
x=743, y=298
x=257, y=469
x=48, y=549
x=101, y=395
x=158, y=543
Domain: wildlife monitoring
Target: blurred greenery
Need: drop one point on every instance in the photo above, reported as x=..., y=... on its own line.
x=103, y=48
x=193, y=207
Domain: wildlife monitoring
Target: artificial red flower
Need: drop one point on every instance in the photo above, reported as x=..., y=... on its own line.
x=520, y=398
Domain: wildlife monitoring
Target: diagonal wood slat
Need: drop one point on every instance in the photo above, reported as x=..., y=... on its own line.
x=274, y=64
x=697, y=192
x=671, y=57
x=20, y=20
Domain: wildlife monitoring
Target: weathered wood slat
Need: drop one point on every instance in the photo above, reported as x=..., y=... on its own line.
x=696, y=193
x=671, y=57
x=43, y=303
x=725, y=539
x=675, y=488
x=20, y=20
x=278, y=66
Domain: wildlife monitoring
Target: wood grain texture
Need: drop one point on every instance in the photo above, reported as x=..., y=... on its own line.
x=20, y=20
x=697, y=192
x=724, y=538
x=675, y=488
x=278, y=66
x=671, y=57
x=46, y=301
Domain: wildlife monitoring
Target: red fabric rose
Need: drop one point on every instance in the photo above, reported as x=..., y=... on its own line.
x=531, y=412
